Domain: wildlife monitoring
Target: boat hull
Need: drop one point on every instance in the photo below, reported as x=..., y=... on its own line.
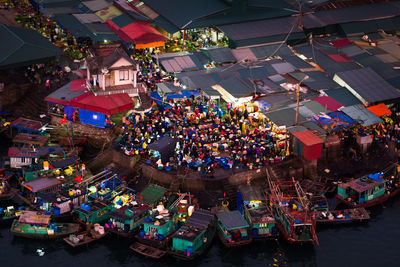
x=148, y=251
x=233, y=244
x=71, y=228
x=367, y=204
x=86, y=240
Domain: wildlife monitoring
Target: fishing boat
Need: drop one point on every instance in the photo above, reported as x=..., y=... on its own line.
x=86, y=237
x=8, y=215
x=295, y=221
x=126, y=220
x=6, y=192
x=161, y=225
x=195, y=237
x=233, y=230
x=370, y=190
x=33, y=224
x=342, y=216
x=257, y=213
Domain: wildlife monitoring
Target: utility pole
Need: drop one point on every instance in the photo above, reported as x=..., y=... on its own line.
x=298, y=98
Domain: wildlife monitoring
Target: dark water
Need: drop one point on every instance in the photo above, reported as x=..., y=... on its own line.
x=372, y=244
x=375, y=243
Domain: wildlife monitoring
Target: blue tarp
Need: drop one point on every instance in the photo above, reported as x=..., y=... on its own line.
x=92, y=118
x=376, y=177
x=334, y=121
x=69, y=111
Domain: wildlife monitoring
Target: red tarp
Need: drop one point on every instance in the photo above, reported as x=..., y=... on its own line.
x=312, y=144
x=105, y=104
x=328, y=102
x=380, y=110
x=341, y=43
x=138, y=32
x=78, y=85
x=340, y=58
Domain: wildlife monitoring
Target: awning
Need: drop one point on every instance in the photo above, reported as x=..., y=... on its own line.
x=308, y=138
x=361, y=115
x=140, y=33
x=380, y=110
x=105, y=104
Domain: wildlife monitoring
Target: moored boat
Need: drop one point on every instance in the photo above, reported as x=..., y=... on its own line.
x=86, y=237
x=8, y=215
x=195, y=237
x=33, y=224
x=342, y=216
x=233, y=229
x=147, y=250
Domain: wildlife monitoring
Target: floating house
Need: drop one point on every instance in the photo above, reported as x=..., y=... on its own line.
x=24, y=156
x=126, y=220
x=28, y=140
x=195, y=236
x=257, y=213
x=363, y=192
x=41, y=185
x=59, y=203
x=24, y=125
x=95, y=211
x=233, y=230
x=152, y=194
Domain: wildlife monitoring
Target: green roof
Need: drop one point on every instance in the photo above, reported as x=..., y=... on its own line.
x=232, y=220
x=21, y=47
x=152, y=193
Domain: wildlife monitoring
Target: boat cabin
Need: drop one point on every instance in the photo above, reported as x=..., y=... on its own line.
x=233, y=226
x=363, y=191
x=128, y=218
x=24, y=156
x=29, y=140
x=257, y=213
x=61, y=202
x=94, y=211
x=24, y=125
x=261, y=219
x=190, y=237
x=42, y=185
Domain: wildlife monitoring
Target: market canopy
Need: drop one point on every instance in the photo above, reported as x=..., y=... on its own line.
x=105, y=104
x=140, y=33
x=22, y=47
x=380, y=110
x=328, y=102
x=308, y=138
x=284, y=117
x=361, y=115
x=333, y=121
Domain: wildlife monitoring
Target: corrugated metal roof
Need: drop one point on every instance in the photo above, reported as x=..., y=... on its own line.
x=361, y=115
x=308, y=138
x=284, y=117
x=243, y=53
x=219, y=54
x=283, y=67
x=368, y=85
x=87, y=18
x=328, y=102
x=343, y=96
x=261, y=28
x=168, y=87
x=236, y=87
x=383, y=69
x=96, y=5
x=306, y=112
x=315, y=107
x=232, y=220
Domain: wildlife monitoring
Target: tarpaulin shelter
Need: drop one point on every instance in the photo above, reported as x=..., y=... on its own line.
x=165, y=146
x=67, y=92
x=380, y=110
x=328, y=102
x=309, y=145
x=95, y=119
x=109, y=12
x=22, y=47
x=334, y=121
x=361, y=115
x=141, y=33
x=105, y=104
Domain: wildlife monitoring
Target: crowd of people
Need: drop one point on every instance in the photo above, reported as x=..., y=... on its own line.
x=207, y=136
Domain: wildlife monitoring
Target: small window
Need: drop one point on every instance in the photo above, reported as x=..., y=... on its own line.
x=124, y=75
x=22, y=160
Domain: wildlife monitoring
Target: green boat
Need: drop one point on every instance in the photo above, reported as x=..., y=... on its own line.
x=8, y=215
x=33, y=224
x=195, y=237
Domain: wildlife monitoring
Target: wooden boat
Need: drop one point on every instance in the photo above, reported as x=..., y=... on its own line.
x=9, y=215
x=295, y=221
x=257, y=213
x=342, y=216
x=84, y=238
x=195, y=237
x=232, y=229
x=148, y=251
x=33, y=224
